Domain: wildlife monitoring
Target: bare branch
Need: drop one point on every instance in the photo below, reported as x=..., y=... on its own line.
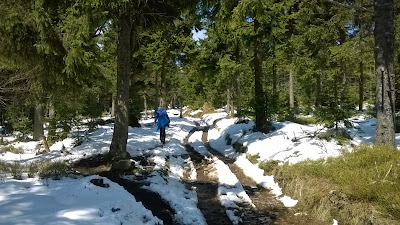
x=390, y=169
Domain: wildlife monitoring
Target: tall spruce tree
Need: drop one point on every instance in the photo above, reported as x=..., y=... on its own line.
x=384, y=71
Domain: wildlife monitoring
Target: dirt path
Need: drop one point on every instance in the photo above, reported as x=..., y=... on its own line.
x=206, y=187
x=268, y=209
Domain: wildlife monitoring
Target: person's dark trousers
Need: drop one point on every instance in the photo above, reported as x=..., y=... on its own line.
x=162, y=134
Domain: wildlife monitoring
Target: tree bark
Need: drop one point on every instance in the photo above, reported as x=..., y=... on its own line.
x=318, y=100
x=384, y=71
x=163, y=101
x=157, y=92
x=228, y=101
x=261, y=119
x=113, y=105
x=291, y=91
x=361, y=87
x=237, y=94
x=38, y=131
x=124, y=60
x=145, y=105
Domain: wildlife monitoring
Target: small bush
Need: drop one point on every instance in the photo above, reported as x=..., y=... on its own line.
x=11, y=148
x=53, y=169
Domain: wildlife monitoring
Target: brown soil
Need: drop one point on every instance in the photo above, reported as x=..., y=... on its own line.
x=269, y=210
x=206, y=187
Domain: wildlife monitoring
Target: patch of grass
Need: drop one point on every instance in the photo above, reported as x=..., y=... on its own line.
x=206, y=109
x=305, y=120
x=4, y=167
x=325, y=136
x=53, y=169
x=253, y=158
x=33, y=169
x=167, y=164
x=16, y=170
x=365, y=181
x=11, y=148
x=342, y=140
x=340, y=135
x=268, y=166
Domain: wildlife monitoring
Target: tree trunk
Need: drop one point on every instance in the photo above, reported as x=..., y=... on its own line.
x=38, y=131
x=274, y=83
x=361, y=87
x=145, y=105
x=261, y=119
x=291, y=91
x=163, y=101
x=318, y=100
x=236, y=79
x=384, y=71
x=52, y=112
x=113, y=105
x=228, y=101
x=124, y=59
x=157, y=92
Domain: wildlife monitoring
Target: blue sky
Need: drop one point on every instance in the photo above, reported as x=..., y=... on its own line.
x=199, y=35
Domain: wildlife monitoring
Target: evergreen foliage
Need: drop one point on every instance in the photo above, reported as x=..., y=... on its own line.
x=267, y=59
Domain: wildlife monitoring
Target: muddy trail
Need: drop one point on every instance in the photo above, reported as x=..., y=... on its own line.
x=267, y=210
x=152, y=201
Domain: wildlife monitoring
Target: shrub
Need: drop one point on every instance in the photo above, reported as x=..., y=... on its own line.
x=53, y=169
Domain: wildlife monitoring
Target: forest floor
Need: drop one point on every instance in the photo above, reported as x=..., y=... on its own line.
x=205, y=174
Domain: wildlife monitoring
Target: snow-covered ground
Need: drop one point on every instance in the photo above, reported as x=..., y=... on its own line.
x=75, y=200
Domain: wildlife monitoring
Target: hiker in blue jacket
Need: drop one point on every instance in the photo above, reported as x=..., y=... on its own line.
x=161, y=120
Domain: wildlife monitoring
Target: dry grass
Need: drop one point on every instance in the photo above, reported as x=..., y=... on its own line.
x=362, y=187
x=11, y=148
x=53, y=169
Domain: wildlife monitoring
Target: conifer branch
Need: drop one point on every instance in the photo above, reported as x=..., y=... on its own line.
x=357, y=7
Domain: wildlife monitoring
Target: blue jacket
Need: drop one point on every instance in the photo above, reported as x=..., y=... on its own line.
x=161, y=118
